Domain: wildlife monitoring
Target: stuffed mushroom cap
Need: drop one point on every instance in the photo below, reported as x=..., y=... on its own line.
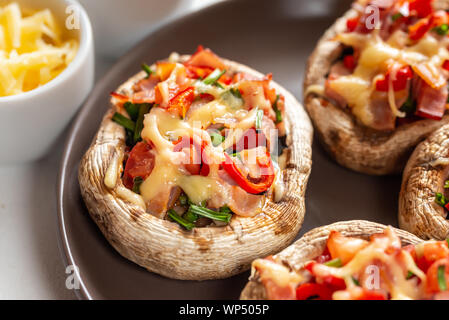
x=164, y=247
x=423, y=179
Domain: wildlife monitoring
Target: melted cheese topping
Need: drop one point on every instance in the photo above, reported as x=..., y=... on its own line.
x=278, y=273
x=161, y=128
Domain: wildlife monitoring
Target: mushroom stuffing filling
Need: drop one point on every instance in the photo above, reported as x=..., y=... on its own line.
x=203, y=142
x=394, y=66
x=351, y=268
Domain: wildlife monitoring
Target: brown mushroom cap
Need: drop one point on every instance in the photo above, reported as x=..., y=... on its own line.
x=313, y=243
x=163, y=246
x=351, y=144
x=423, y=177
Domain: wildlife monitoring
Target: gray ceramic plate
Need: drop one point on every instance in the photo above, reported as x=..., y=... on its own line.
x=270, y=36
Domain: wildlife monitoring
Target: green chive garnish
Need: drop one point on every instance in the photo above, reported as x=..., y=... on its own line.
x=409, y=275
x=190, y=216
x=124, y=121
x=143, y=110
x=442, y=30
x=216, y=138
x=213, y=78
x=225, y=209
x=440, y=199
x=336, y=263
x=442, y=278
x=132, y=109
x=147, y=69
x=396, y=16
x=137, y=182
x=446, y=184
x=356, y=282
x=236, y=93
x=207, y=213
x=276, y=110
x=259, y=117
x=175, y=217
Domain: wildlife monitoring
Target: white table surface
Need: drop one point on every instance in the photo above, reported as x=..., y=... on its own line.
x=31, y=265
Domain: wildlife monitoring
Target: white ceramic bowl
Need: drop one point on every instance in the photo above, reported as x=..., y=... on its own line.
x=31, y=122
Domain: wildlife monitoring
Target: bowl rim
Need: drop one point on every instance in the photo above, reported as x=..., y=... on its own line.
x=85, y=46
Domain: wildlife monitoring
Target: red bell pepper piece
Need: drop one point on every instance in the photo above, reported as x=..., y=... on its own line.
x=351, y=24
x=265, y=182
x=400, y=83
x=419, y=29
x=140, y=163
x=181, y=103
x=315, y=291
x=446, y=65
x=371, y=295
x=349, y=62
x=422, y=8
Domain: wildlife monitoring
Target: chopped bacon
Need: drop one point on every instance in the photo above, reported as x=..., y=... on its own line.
x=256, y=93
x=430, y=74
x=431, y=103
x=243, y=203
x=337, y=70
x=205, y=58
x=383, y=118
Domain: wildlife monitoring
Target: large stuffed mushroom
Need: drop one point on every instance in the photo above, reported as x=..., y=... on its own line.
x=199, y=167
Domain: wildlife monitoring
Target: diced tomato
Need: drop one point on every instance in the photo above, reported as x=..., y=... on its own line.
x=429, y=252
x=419, y=29
x=446, y=65
x=181, y=103
x=423, y=8
x=333, y=282
x=351, y=24
x=313, y=291
x=343, y=247
x=349, y=62
x=433, y=284
x=371, y=295
x=399, y=83
x=225, y=79
x=140, y=163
